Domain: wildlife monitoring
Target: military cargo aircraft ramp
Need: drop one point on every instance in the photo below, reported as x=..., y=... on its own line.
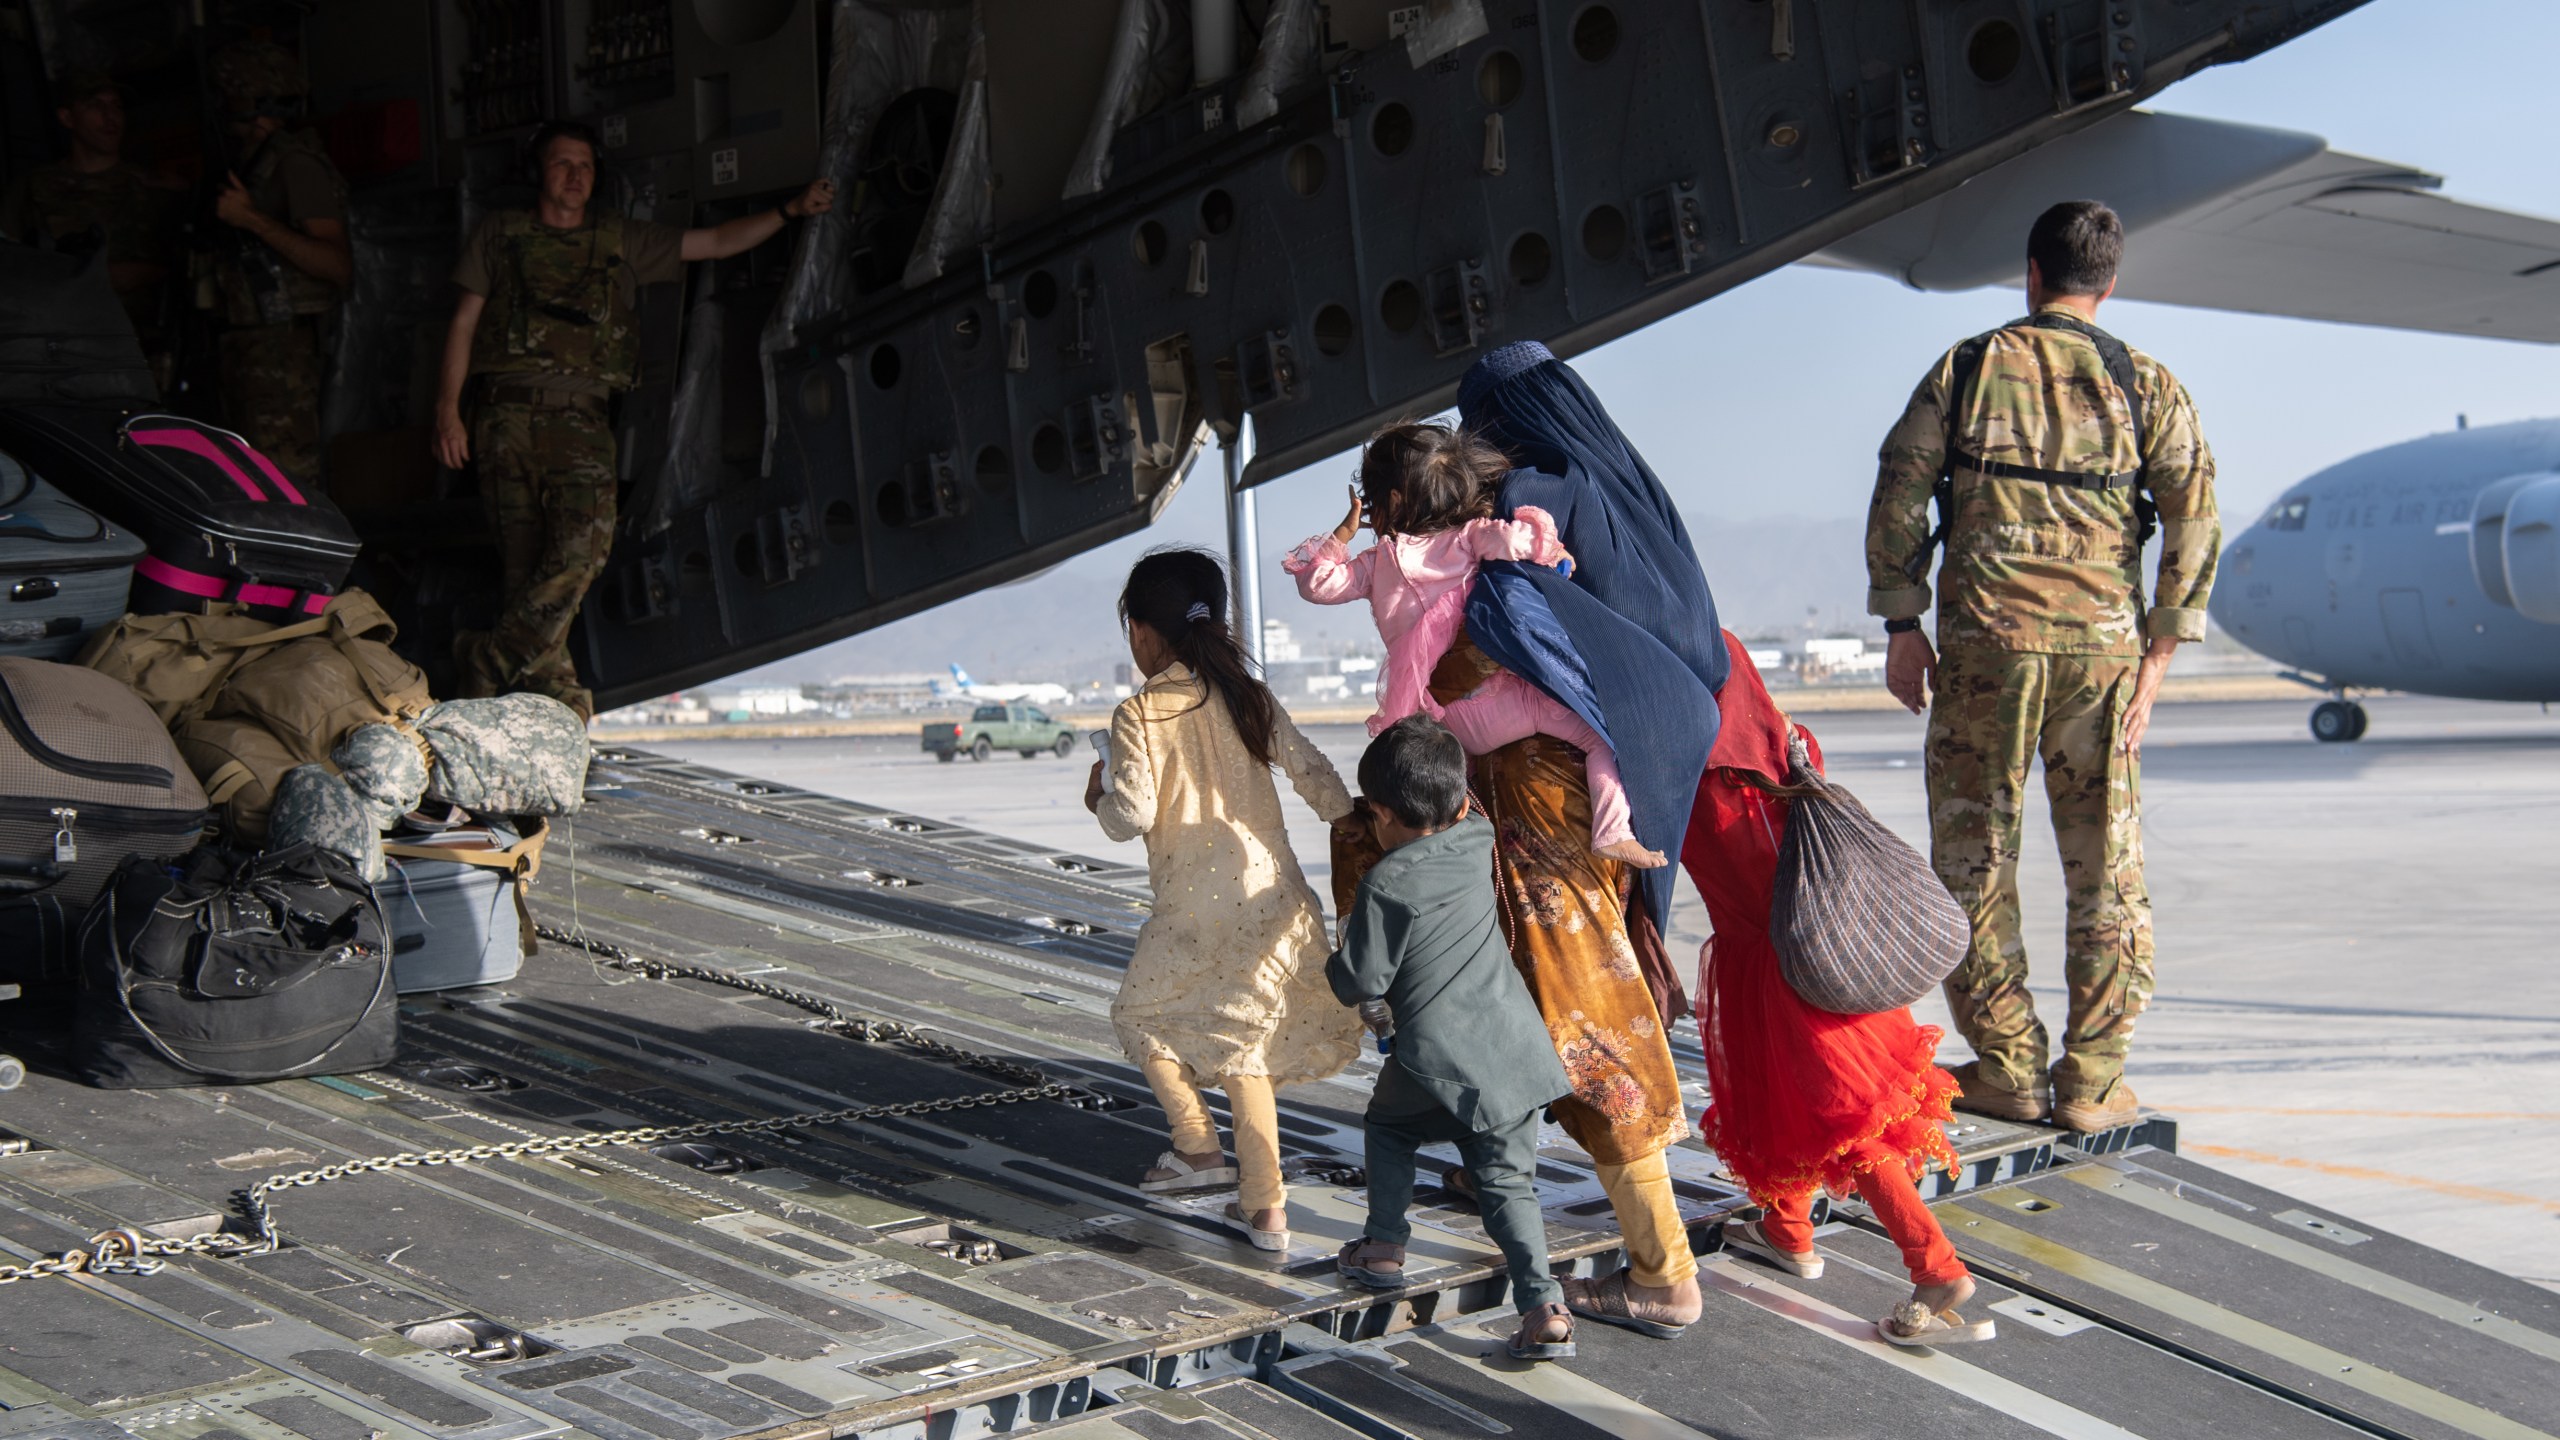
x=955, y=1247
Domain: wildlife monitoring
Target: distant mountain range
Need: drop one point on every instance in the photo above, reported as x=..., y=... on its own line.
x=1780, y=576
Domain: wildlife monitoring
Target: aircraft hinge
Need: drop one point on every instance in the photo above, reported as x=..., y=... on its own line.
x=1884, y=120
x=1080, y=349
x=2092, y=51
x=1672, y=228
x=648, y=587
x=1097, y=439
x=1461, y=301
x=1267, y=366
x=926, y=492
x=783, y=545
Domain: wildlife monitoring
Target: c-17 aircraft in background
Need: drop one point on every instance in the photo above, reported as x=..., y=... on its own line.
x=2431, y=566
x=1039, y=692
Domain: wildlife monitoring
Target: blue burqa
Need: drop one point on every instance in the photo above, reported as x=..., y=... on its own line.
x=1629, y=641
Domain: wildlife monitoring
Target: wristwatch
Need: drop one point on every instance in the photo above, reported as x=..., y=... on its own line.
x=1902, y=626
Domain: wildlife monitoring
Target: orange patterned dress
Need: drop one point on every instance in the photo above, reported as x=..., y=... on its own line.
x=1566, y=913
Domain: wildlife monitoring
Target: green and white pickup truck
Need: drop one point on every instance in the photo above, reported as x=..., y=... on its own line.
x=990, y=728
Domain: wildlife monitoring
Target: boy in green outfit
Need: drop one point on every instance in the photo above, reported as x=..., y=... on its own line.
x=1471, y=1061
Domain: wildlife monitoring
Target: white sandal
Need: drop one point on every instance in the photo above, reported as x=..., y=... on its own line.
x=1172, y=1172
x=1913, y=1324
x=1262, y=1239
x=1746, y=1237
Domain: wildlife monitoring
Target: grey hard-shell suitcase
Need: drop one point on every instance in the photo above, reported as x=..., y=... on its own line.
x=88, y=776
x=64, y=572
x=461, y=921
x=452, y=925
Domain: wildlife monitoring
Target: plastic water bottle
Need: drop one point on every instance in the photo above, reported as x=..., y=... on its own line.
x=1381, y=1022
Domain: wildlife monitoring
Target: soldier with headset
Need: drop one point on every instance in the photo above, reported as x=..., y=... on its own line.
x=2052, y=452
x=547, y=323
x=279, y=280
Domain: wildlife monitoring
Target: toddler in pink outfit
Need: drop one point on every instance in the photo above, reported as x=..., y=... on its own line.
x=1428, y=492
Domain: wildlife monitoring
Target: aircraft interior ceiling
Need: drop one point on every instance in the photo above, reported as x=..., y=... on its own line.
x=1083, y=237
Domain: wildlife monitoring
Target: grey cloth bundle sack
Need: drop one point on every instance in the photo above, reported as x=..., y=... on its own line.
x=1861, y=922
x=316, y=808
x=517, y=754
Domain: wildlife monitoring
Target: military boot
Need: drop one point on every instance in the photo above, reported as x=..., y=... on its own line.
x=2087, y=1115
x=1984, y=1096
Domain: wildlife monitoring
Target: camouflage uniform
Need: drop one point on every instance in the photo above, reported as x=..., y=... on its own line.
x=117, y=209
x=2041, y=624
x=557, y=337
x=279, y=322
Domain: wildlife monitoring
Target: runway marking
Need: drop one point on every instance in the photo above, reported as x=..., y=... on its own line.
x=2353, y=1371
x=2309, y=1256
x=2452, y=1188
x=1938, y=1367
x=2368, y=1114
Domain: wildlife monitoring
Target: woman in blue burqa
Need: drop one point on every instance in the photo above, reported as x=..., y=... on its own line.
x=1630, y=643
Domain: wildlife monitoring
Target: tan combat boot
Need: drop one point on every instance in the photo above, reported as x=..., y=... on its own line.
x=2087, y=1115
x=1984, y=1097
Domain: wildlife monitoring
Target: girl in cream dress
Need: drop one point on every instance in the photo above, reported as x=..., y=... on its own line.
x=1227, y=989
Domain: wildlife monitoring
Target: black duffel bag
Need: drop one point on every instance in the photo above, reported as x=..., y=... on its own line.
x=1861, y=922
x=227, y=967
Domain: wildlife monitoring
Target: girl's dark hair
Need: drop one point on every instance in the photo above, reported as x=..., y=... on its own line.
x=1419, y=478
x=1167, y=588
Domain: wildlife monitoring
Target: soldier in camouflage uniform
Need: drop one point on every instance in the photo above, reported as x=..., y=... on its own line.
x=2047, y=651
x=94, y=199
x=547, y=321
x=278, y=281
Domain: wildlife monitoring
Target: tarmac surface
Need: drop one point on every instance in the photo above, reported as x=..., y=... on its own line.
x=2355, y=1002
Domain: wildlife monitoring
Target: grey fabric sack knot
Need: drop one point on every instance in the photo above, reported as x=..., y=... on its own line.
x=316, y=808
x=1861, y=922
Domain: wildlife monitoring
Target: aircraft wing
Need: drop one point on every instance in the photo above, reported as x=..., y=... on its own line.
x=2239, y=217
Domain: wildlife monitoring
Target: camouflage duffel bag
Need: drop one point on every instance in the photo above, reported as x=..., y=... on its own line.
x=521, y=754
x=1861, y=922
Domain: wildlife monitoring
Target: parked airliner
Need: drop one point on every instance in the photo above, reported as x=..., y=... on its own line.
x=1038, y=692
x=2431, y=566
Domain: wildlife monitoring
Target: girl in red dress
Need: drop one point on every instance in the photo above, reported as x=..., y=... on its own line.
x=1803, y=1099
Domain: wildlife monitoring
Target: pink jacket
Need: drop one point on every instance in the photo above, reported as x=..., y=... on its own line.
x=1416, y=586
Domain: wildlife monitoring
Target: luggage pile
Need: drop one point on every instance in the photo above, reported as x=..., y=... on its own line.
x=235, y=825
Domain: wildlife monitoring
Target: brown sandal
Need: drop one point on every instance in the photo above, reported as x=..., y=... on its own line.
x=1524, y=1344
x=1373, y=1263
x=1606, y=1301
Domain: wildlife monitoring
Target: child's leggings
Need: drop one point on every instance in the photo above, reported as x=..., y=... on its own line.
x=1195, y=1130
x=1507, y=708
x=1886, y=1187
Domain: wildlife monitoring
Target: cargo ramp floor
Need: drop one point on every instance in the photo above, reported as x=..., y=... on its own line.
x=962, y=1267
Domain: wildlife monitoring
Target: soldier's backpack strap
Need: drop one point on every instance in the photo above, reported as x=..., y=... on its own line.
x=2118, y=359
x=1942, y=491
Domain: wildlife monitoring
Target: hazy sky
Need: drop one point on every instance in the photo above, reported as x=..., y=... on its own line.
x=1769, y=401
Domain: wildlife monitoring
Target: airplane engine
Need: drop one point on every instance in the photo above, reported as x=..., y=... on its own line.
x=2529, y=549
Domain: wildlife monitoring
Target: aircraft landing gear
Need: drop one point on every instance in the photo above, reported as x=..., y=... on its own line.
x=2337, y=722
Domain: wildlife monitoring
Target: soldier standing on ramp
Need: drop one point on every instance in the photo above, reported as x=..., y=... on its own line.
x=95, y=199
x=547, y=319
x=279, y=280
x=2051, y=450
